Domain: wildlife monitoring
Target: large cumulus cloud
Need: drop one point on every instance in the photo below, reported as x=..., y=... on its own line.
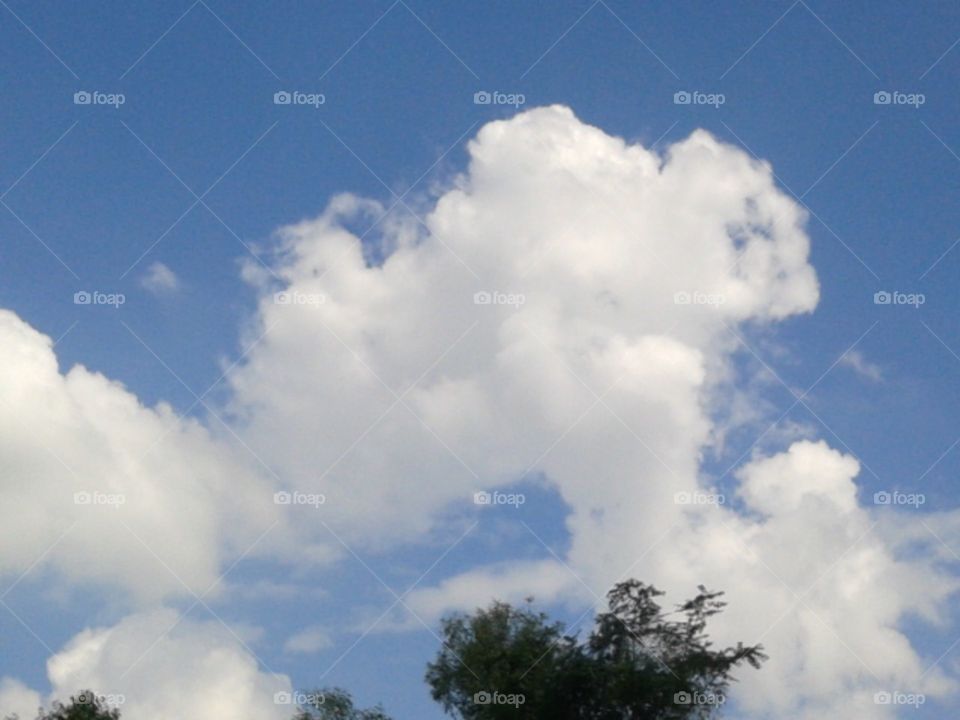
x=600, y=239
x=626, y=279
x=106, y=490
x=570, y=307
x=156, y=665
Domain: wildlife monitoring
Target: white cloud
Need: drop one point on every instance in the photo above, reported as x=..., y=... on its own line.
x=599, y=237
x=18, y=699
x=160, y=279
x=96, y=485
x=620, y=283
x=308, y=641
x=543, y=580
x=855, y=360
x=806, y=472
x=153, y=672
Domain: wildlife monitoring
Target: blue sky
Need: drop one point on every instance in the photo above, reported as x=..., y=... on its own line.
x=95, y=195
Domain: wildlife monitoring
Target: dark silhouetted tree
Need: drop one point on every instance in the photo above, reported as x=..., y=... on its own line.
x=336, y=704
x=83, y=706
x=639, y=663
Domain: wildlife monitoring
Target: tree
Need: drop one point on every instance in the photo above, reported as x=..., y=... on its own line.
x=504, y=650
x=326, y=704
x=638, y=663
x=336, y=704
x=84, y=706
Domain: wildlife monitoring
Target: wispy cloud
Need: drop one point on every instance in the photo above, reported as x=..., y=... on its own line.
x=863, y=367
x=160, y=280
x=308, y=641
